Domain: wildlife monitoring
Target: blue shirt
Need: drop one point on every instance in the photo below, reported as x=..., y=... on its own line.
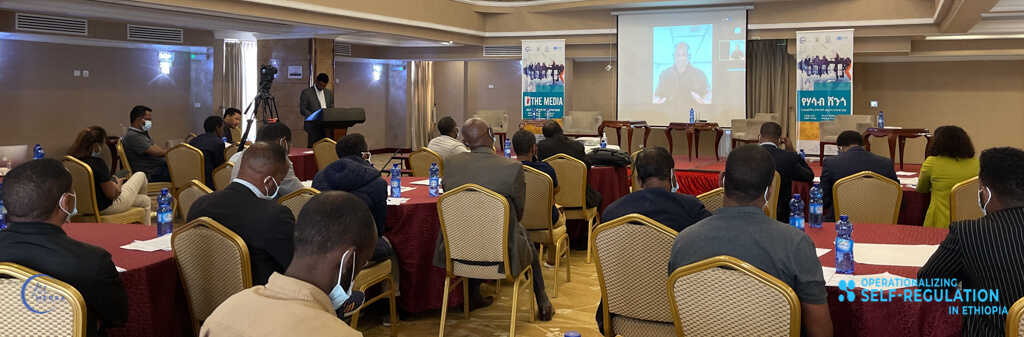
x=550, y=171
x=675, y=210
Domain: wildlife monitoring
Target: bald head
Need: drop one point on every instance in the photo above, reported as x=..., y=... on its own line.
x=261, y=160
x=476, y=133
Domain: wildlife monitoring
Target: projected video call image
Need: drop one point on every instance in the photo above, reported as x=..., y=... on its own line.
x=682, y=64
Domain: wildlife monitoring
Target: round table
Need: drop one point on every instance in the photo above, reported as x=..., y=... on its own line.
x=303, y=162
x=156, y=299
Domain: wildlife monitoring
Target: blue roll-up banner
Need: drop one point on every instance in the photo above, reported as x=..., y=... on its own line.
x=824, y=74
x=543, y=79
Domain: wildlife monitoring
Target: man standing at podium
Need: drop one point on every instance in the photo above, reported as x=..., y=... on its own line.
x=312, y=99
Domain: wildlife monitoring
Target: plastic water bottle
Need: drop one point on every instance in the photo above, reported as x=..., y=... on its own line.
x=573, y=333
x=881, y=119
x=396, y=181
x=508, y=148
x=803, y=155
x=604, y=140
x=435, y=180
x=817, y=211
x=844, y=245
x=3, y=214
x=796, y=212
x=224, y=139
x=164, y=213
x=692, y=116
x=37, y=152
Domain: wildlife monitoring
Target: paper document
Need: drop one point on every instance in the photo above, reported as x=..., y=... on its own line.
x=908, y=181
x=828, y=272
x=396, y=201
x=426, y=182
x=822, y=251
x=901, y=173
x=152, y=245
x=307, y=183
x=893, y=255
x=120, y=270
x=404, y=189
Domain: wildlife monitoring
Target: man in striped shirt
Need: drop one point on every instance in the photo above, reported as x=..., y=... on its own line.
x=986, y=253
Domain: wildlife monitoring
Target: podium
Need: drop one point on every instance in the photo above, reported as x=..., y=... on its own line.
x=335, y=119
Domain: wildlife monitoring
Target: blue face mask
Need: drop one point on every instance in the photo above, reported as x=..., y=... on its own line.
x=338, y=295
x=73, y=211
x=97, y=152
x=147, y=125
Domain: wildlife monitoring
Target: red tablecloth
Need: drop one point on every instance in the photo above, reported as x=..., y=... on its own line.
x=303, y=162
x=157, y=302
x=897, y=318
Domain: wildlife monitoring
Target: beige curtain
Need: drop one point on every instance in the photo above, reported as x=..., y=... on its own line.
x=769, y=68
x=232, y=93
x=421, y=116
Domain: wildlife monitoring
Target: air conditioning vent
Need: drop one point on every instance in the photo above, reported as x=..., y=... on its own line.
x=50, y=24
x=156, y=34
x=503, y=51
x=342, y=49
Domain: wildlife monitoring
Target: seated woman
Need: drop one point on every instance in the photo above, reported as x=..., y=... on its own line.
x=113, y=195
x=950, y=161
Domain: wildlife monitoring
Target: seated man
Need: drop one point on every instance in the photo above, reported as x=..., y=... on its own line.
x=276, y=133
x=852, y=158
x=212, y=145
x=658, y=200
x=351, y=173
x=556, y=142
x=483, y=167
x=448, y=142
x=985, y=253
x=741, y=229
x=247, y=208
x=333, y=230
x=525, y=145
x=788, y=163
x=143, y=154
x=232, y=119
x=39, y=200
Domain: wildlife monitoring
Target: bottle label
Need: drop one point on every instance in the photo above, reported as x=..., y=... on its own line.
x=796, y=222
x=433, y=183
x=844, y=245
x=164, y=217
x=817, y=209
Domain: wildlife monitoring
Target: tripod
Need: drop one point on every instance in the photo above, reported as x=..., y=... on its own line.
x=265, y=103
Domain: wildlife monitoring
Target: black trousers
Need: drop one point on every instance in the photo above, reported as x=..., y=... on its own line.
x=314, y=133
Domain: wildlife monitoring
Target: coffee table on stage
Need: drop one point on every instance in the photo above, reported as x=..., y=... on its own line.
x=629, y=125
x=691, y=129
x=898, y=135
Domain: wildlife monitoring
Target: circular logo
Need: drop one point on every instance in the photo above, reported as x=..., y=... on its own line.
x=39, y=296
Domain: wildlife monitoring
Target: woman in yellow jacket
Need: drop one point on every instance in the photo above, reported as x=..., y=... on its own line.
x=950, y=161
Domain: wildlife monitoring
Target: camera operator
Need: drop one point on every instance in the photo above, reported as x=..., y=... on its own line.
x=312, y=99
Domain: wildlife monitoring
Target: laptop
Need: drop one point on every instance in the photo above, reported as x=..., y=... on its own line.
x=11, y=156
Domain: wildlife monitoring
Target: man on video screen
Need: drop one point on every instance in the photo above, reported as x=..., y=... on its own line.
x=682, y=83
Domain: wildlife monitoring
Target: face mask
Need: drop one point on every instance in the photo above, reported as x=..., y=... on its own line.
x=97, y=152
x=338, y=295
x=766, y=194
x=367, y=156
x=675, y=186
x=284, y=143
x=73, y=211
x=983, y=206
x=147, y=125
x=277, y=188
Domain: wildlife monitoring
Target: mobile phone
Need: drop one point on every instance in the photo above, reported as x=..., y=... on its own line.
x=122, y=174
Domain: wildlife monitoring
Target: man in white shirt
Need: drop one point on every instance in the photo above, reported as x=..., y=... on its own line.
x=448, y=142
x=276, y=133
x=312, y=99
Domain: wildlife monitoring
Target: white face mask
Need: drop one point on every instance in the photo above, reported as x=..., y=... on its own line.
x=985, y=205
x=277, y=188
x=147, y=125
x=97, y=152
x=675, y=185
x=73, y=211
x=367, y=156
x=339, y=295
x=766, y=194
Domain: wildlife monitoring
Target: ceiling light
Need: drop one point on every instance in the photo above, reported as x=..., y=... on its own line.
x=974, y=37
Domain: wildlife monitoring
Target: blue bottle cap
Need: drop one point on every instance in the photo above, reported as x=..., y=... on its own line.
x=796, y=195
x=817, y=184
x=572, y=334
x=844, y=218
x=163, y=191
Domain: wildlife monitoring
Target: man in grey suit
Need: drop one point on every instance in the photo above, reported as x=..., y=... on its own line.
x=312, y=99
x=483, y=167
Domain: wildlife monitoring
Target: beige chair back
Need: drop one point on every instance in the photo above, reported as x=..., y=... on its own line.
x=85, y=189
x=213, y=263
x=29, y=315
x=963, y=199
x=713, y=199
x=496, y=119
x=828, y=131
x=772, y=206
x=572, y=180
x=539, y=199
x=421, y=159
x=188, y=138
x=236, y=135
x=723, y=296
x=475, y=225
x=230, y=150
x=859, y=123
x=1015, y=320
x=767, y=117
x=582, y=122
x=123, y=156
x=324, y=153
x=189, y=194
x=296, y=200
x=631, y=254
x=185, y=164
x=633, y=178
x=222, y=175
x=867, y=197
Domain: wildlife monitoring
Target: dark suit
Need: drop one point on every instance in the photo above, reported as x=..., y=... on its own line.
x=47, y=249
x=264, y=225
x=561, y=144
x=791, y=168
x=310, y=103
x=213, y=153
x=847, y=163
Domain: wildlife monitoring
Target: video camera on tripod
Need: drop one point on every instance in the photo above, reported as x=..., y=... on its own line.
x=264, y=101
x=267, y=74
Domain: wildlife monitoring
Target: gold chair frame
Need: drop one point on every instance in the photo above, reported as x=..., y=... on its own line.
x=153, y=187
x=298, y=192
x=230, y=151
x=1013, y=318
x=188, y=138
x=170, y=169
x=866, y=174
x=225, y=167
x=133, y=213
x=591, y=222
x=424, y=170
x=772, y=206
x=322, y=155
x=69, y=292
x=561, y=242
x=193, y=183
x=718, y=193
x=634, y=183
x=969, y=183
x=390, y=294
x=239, y=244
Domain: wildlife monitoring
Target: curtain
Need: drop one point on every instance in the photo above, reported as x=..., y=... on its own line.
x=769, y=67
x=240, y=77
x=421, y=118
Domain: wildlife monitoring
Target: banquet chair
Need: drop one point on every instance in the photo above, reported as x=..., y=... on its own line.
x=1015, y=320
x=189, y=194
x=537, y=220
x=475, y=228
x=377, y=273
x=236, y=135
x=185, y=163
x=324, y=153
x=188, y=138
x=868, y=197
x=296, y=200
x=153, y=188
x=713, y=199
x=85, y=191
x=222, y=175
x=747, y=130
x=30, y=317
x=421, y=159
x=724, y=296
x=572, y=194
x=631, y=253
x=828, y=131
x=213, y=263
x=496, y=119
x=963, y=201
x=634, y=181
x=772, y=206
x=582, y=122
x=230, y=150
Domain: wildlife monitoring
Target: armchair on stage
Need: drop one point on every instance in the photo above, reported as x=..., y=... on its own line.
x=747, y=130
x=829, y=130
x=497, y=119
x=581, y=122
x=335, y=119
